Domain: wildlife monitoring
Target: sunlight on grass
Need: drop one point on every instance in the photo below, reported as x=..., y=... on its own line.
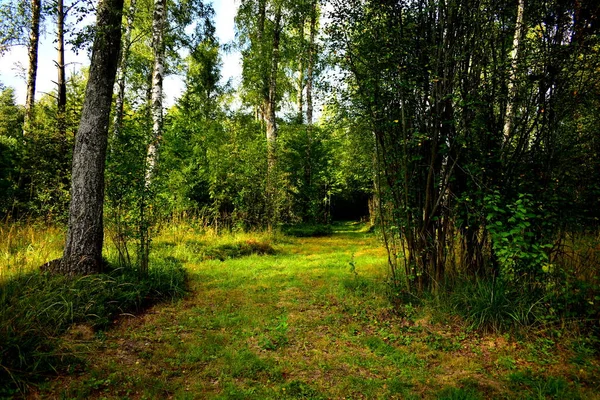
x=270, y=316
x=25, y=246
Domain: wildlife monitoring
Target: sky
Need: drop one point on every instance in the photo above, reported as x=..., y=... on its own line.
x=13, y=65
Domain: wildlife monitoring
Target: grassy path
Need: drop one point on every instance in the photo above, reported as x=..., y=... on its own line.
x=310, y=321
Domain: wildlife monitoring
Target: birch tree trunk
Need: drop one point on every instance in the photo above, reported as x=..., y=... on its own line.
x=300, y=98
x=271, y=100
x=34, y=39
x=123, y=64
x=85, y=234
x=311, y=64
x=158, y=47
x=512, y=89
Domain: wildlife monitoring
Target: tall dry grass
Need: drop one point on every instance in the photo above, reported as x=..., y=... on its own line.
x=26, y=245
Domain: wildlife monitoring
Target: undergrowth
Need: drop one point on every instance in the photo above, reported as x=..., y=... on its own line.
x=36, y=309
x=496, y=306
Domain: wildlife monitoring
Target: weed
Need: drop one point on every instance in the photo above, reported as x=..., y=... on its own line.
x=491, y=305
x=300, y=390
x=277, y=335
x=540, y=387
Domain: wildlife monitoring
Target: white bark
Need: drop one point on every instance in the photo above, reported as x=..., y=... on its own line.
x=123, y=64
x=311, y=65
x=512, y=89
x=271, y=106
x=158, y=47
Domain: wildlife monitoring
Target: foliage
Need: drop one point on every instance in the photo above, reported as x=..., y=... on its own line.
x=459, y=118
x=520, y=252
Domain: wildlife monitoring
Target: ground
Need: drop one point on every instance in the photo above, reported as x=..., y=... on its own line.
x=309, y=317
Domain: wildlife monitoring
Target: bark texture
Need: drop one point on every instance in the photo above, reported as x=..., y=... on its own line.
x=301, y=78
x=271, y=100
x=512, y=89
x=85, y=235
x=158, y=46
x=34, y=39
x=123, y=65
x=60, y=65
x=311, y=64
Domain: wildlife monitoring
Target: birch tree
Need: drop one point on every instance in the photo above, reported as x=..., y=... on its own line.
x=60, y=64
x=158, y=50
x=512, y=88
x=122, y=71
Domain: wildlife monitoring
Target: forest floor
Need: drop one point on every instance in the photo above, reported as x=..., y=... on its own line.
x=309, y=317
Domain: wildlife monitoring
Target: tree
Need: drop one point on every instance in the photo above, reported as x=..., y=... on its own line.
x=470, y=103
x=158, y=50
x=123, y=65
x=20, y=25
x=85, y=234
x=61, y=81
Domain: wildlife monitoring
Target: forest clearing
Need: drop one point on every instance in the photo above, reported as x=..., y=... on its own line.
x=170, y=209
x=274, y=316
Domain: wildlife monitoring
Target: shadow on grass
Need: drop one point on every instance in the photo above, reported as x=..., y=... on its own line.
x=37, y=309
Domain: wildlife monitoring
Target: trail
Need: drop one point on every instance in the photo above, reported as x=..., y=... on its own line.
x=311, y=320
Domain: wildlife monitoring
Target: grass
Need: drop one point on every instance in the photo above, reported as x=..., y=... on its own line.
x=288, y=317
x=27, y=245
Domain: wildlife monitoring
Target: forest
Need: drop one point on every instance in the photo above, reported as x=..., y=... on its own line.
x=396, y=199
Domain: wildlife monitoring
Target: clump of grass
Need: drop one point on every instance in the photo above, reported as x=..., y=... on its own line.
x=207, y=245
x=493, y=306
x=542, y=387
x=308, y=230
x=36, y=309
x=236, y=250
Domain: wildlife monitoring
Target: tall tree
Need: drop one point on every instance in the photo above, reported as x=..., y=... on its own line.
x=123, y=65
x=512, y=88
x=60, y=65
x=270, y=98
x=85, y=234
x=158, y=50
x=311, y=63
x=32, y=51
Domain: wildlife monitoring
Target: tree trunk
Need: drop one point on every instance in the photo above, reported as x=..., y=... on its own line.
x=60, y=64
x=85, y=234
x=512, y=89
x=123, y=64
x=311, y=64
x=34, y=39
x=158, y=47
x=271, y=100
x=300, y=97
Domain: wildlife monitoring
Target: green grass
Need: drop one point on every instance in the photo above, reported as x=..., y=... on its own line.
x=309, y=318
x=47, y=318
